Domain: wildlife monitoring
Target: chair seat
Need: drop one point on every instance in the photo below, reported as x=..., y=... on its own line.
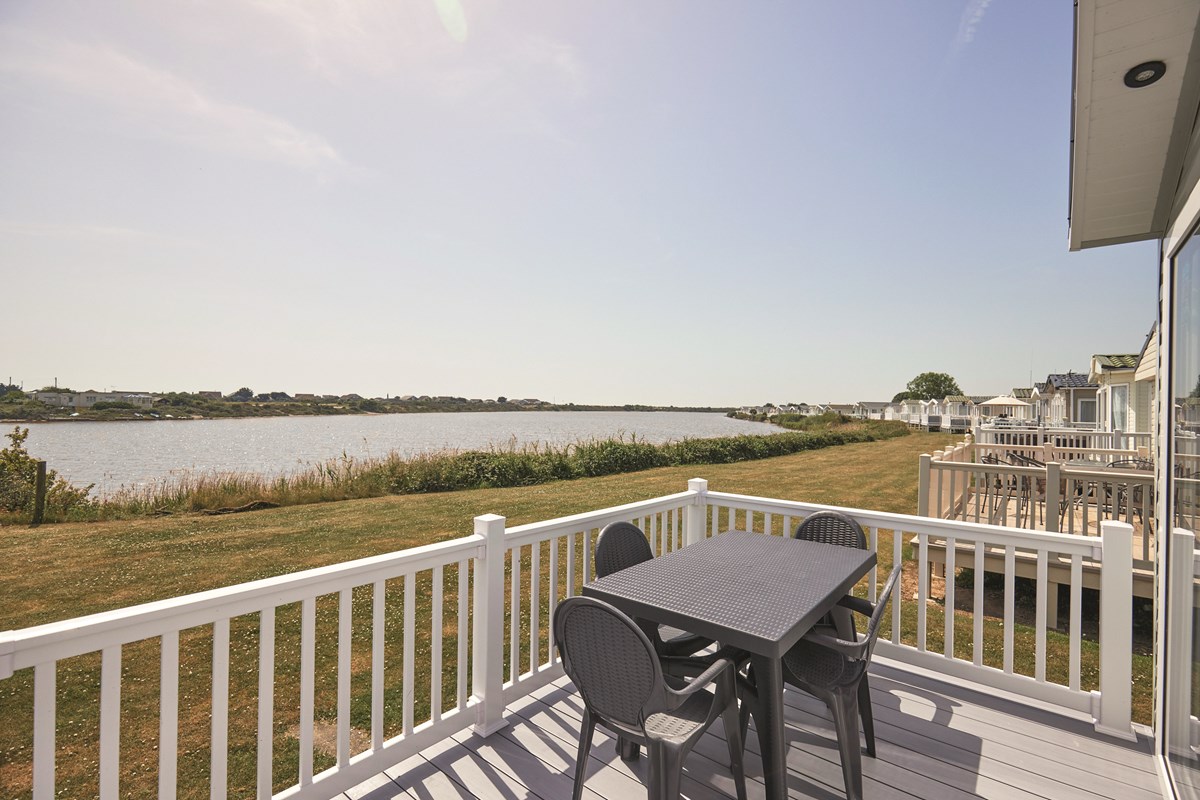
x=679, y=725
x=678, y=642
x=820, y=667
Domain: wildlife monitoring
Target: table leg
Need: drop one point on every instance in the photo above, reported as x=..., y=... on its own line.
x=768, y=721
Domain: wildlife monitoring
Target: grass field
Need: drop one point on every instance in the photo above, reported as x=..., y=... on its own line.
x=73, y=569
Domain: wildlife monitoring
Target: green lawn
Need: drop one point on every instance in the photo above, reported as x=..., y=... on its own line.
x=62, y=571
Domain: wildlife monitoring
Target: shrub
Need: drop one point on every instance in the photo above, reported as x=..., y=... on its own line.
x=18, y=484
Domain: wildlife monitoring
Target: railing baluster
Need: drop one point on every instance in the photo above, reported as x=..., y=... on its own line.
x=922, y=587
x=514, y=617
x=435, y=653
x=464, y=629
x=977, y=609
x=552, y=591
x=586, y=575
x=948, y=641
x=1039, y=663
x=872, y=576
x=767, y=523
x=266, y=700
x=45, y=720
x=410, y=627
x=652, y=535
x=168, y=720
x=345, y=628
x=787, y=530
x=570, y=541
x=1076, y=617
x=897, y=558
x=308, y=637
x=535, y=606
x=378, y=609
x=1010, y=569
x=219, y=751
x=110, y=722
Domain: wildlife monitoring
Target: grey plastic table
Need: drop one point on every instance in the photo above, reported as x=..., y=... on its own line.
x=756, y=592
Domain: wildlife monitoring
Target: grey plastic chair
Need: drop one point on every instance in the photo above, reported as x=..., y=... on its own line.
x=617, y=672
x=834, y=527
x=621, y=545
x=834, y=670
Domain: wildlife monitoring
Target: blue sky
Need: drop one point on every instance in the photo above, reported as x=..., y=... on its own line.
x=670, y=203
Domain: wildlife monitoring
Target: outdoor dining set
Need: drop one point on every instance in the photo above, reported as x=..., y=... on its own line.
x=660, y=647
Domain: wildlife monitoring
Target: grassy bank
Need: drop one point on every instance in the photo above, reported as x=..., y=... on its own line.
x=347, y=478
x=79, y=568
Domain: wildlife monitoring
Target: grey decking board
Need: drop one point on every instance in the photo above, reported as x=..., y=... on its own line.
x=918, y=758
x=1017, y=717
x=1037, y=741
x=808, y=772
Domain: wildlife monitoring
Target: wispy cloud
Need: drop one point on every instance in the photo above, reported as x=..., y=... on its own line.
x=114, y=234
x=968, y=25
x=157, y=103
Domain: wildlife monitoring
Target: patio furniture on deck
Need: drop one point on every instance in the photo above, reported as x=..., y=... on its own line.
x=616, y=669
x=834, y=527
x=834, y=670
x=621, y=545
x=751, y=591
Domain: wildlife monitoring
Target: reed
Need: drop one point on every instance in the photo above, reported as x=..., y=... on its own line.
x=348, y=478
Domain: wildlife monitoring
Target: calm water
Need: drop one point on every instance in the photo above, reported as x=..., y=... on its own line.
x=115, y=454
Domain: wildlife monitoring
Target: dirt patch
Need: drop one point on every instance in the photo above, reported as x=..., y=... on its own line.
x=325, y=737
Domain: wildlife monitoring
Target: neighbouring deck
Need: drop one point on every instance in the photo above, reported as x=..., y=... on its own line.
x=935, y=740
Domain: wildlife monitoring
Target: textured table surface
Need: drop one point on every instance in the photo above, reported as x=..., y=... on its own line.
x=750, y=590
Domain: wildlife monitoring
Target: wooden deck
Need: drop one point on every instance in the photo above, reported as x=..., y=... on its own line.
x=935, y=740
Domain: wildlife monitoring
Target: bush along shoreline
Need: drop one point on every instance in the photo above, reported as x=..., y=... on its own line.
x=347, y=478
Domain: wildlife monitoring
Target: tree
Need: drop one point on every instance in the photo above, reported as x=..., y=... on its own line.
x=243, y=394
x=929, y=386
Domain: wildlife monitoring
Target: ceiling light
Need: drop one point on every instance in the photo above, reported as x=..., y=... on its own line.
x=1145, y=74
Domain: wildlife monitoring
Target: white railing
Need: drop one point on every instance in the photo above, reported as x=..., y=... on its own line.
x=1054, y=559
x=419, y=636
x=423, y=643
x=1072, y=492
x=1022, y=434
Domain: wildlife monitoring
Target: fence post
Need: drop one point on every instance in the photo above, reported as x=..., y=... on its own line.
x=1114, y=715
x=695, y=515
x=39, y=495
x=923, y=486
x=1053, y=496
x=487, y=666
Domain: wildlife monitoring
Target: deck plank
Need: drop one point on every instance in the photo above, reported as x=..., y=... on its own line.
x=936, y=741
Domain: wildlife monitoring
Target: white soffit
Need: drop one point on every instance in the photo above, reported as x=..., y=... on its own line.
x=1128, y=145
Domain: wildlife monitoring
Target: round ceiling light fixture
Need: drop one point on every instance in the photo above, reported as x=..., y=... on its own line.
x=1145, y=74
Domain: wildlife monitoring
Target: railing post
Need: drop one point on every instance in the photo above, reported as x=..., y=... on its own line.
x=923, y=486
x=695, y=515
x=1053, y=496
x=1117, y=439
x=1114, y=715
x=487, y=666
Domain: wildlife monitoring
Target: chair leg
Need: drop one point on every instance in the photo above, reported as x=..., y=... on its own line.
x=581, y=759
x=844, y=707
x=666, y=771
x=731, y=719
x=748, y=699
x=628, y=750
x=864, y=711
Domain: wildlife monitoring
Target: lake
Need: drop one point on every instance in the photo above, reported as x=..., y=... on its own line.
x=115, y=454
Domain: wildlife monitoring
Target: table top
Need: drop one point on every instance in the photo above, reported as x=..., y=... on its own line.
x=750, y=590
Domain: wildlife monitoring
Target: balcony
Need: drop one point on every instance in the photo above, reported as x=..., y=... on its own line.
x=430, y=672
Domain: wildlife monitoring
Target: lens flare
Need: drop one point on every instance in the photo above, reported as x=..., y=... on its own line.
x=454, y=19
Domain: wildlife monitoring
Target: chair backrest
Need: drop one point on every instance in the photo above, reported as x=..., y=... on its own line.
x=620, y=545
x=610, y=660
x=1132, y=463
x=881, y=605
x=832, y=527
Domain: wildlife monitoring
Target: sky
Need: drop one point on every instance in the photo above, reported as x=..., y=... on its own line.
x=671, y=203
